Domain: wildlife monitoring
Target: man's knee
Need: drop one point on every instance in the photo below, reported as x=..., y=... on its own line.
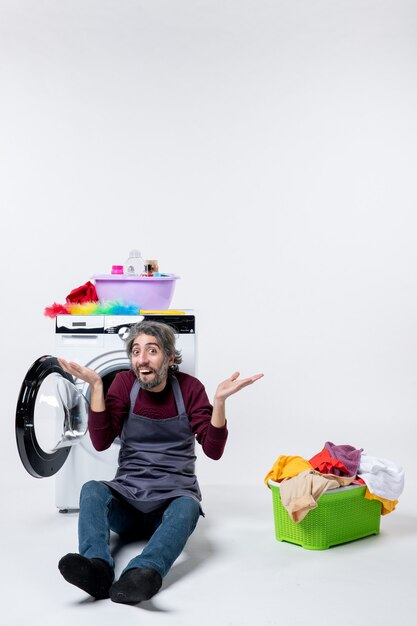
x=186, y=510
x=93, y=489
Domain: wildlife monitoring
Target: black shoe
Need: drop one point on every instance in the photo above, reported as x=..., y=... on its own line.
x=94, y=576
x=136, y=585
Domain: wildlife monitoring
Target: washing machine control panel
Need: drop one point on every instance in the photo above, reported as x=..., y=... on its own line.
x=182, y=324
x=119, y=324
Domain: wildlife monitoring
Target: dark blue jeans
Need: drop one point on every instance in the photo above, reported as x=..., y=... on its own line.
x=166, y=529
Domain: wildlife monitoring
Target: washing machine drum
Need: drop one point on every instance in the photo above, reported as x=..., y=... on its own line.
x=51, y=416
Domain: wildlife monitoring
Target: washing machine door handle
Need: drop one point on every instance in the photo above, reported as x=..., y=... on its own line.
x=51, y=416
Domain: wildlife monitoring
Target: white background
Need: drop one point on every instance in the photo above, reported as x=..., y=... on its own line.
x=266, y=152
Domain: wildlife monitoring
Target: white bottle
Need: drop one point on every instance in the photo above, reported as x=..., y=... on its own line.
x=134, y=264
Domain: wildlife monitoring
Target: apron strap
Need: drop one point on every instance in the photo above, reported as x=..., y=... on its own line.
x=134, y=394
x=177, y=395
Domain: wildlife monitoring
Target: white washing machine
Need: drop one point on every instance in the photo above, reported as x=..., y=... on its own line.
x=52, y=409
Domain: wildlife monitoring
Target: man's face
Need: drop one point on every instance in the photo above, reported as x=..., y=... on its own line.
x=150, y=363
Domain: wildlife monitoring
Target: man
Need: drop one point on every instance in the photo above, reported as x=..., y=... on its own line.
x=157, y=412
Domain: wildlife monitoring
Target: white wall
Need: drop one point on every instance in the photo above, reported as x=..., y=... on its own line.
x=266, y=151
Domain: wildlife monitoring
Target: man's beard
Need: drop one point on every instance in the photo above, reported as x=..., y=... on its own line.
x=160, y=376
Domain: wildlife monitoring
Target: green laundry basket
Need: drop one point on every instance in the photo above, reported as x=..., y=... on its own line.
x=342, y=515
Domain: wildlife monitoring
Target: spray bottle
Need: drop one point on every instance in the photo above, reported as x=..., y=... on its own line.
x=134, y=264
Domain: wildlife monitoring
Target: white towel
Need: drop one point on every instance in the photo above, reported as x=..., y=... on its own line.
x=382, y=477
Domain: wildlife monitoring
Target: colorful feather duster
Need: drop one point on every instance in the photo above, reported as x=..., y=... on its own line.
x=113, y=307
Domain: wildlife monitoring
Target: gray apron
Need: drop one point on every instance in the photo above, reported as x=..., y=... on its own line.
x=157, y=457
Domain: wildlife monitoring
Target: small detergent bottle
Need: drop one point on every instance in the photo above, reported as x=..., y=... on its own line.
x=134, y=264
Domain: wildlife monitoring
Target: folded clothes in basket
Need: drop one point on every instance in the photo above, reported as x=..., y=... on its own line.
x=384, y=479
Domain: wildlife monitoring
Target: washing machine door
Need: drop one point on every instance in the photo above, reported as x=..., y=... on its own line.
x=51, y=416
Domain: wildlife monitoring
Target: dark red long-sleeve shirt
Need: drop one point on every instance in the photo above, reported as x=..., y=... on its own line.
x=105, y=426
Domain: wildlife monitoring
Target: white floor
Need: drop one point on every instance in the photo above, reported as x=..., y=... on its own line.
x=233, y=571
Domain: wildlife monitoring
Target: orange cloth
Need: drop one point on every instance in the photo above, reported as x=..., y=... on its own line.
x=387, y=505
x=287, y=467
